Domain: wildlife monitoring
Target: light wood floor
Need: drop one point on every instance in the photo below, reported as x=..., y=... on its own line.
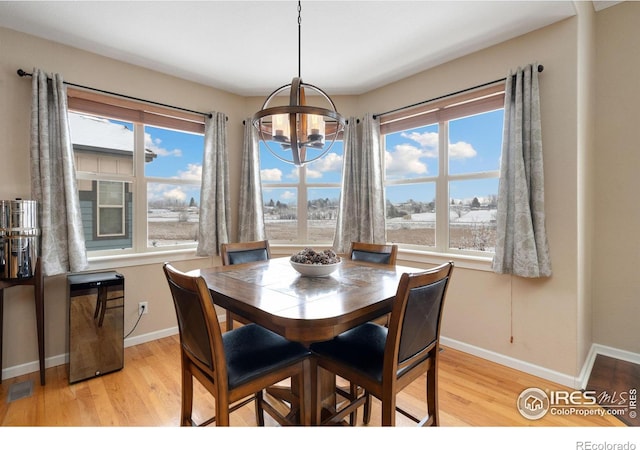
x=146, y=393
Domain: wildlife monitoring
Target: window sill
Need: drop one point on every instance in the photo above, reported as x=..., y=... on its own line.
x=408, y=256
x=482, y=263
x=140, y=259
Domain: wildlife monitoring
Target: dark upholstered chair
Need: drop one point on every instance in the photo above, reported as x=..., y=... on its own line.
x=379, y=254
x=240, y=253
x=376, y=253
x=235, y=366
x=384, y=360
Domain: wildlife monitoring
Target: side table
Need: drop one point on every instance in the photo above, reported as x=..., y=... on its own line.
x=37, y=281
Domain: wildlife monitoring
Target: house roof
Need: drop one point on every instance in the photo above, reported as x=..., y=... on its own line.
x=94, y=134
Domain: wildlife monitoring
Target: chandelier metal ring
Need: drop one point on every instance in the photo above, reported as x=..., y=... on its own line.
x=297, y=126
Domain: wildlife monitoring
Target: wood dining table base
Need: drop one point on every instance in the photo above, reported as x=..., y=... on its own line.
x=306, y=309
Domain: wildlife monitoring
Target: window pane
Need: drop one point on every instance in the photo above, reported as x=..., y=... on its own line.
x=475, y=143
x=322, y=214
x=411, y=214
x=412, y=153
x=111, y=222
x=327, y=169
x=100, y=145
x=110, y=193
x=272, y=170
x=281, y=213
x=173, y=214
x=472, y=214
x=173, y=154
x=105, y=228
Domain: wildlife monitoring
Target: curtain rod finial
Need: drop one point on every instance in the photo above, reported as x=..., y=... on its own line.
x=540, y=67
x=22, y=73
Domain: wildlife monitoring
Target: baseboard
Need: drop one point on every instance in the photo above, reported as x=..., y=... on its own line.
x=58, y=360
x=148, y=337
x=598, y=349
x=523, y=366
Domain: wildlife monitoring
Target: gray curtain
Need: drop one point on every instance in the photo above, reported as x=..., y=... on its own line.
x=53, y=178
x=214, y=193
x=250, y=216
x=521, y=241
x=361, y=216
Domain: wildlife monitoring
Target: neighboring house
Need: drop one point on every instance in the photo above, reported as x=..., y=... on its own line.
x=103, y=157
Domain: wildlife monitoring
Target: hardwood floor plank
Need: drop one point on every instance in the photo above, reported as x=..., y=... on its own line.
x=473, y=392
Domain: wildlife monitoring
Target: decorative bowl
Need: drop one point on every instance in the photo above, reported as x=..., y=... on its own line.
x=315, y=270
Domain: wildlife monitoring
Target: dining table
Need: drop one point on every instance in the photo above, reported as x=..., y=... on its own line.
x=306, y=309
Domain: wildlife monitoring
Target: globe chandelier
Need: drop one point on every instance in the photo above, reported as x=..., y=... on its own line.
x=298, y=132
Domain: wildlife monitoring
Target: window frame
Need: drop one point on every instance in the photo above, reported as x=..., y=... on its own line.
x=140, y=114
x=440, y=112
x=302, y=187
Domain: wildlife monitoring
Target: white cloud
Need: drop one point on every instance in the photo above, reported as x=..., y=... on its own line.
x=405, y=159
x=193, y=172
x=462, y=150
x=331, y=162
x=428, y=142
x=294, y=174
x=155, y=146
x=175, y=194
x=288, y=195
x=271, y=175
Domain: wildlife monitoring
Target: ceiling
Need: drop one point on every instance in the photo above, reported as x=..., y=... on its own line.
x=251, y=47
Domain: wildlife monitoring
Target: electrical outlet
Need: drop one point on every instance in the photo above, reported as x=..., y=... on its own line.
x=143, y=308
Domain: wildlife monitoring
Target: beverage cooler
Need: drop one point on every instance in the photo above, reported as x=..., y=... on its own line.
x=96, y=324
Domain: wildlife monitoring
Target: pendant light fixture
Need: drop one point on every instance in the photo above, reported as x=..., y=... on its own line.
x=297, y=132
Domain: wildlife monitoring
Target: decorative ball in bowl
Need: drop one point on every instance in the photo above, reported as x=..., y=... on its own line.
x=310, y=263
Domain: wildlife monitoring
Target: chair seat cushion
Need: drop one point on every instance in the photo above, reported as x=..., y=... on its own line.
x=252, y=351
x=361, y=348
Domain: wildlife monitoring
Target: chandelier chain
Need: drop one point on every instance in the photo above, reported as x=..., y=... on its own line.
x=299, y=40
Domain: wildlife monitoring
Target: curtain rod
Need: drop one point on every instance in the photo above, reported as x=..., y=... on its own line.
x=375, y=116
x=22, y=73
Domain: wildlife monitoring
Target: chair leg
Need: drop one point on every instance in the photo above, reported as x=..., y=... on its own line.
x=353, y=391
x=367, y=409
x=432, y=396
x=388, y=410
x=229, y=321
x=187, y=397
x=259, y=410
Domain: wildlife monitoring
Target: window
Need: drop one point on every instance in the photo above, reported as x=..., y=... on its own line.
x=301, y=203
x=138, y=176
x=111, y=209
x=442, y=171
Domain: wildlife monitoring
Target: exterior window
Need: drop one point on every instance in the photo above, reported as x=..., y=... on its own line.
x=442, y=174
x=111, y=207
x=301, y=203
x=139, y=184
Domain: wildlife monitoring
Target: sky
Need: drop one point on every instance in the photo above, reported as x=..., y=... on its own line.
x=178, y=154
x=474, y=144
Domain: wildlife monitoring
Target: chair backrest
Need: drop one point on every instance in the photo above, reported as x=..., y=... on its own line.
x=376, y=253
x=414, y=326
x=200, y=334
x=243, y=252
